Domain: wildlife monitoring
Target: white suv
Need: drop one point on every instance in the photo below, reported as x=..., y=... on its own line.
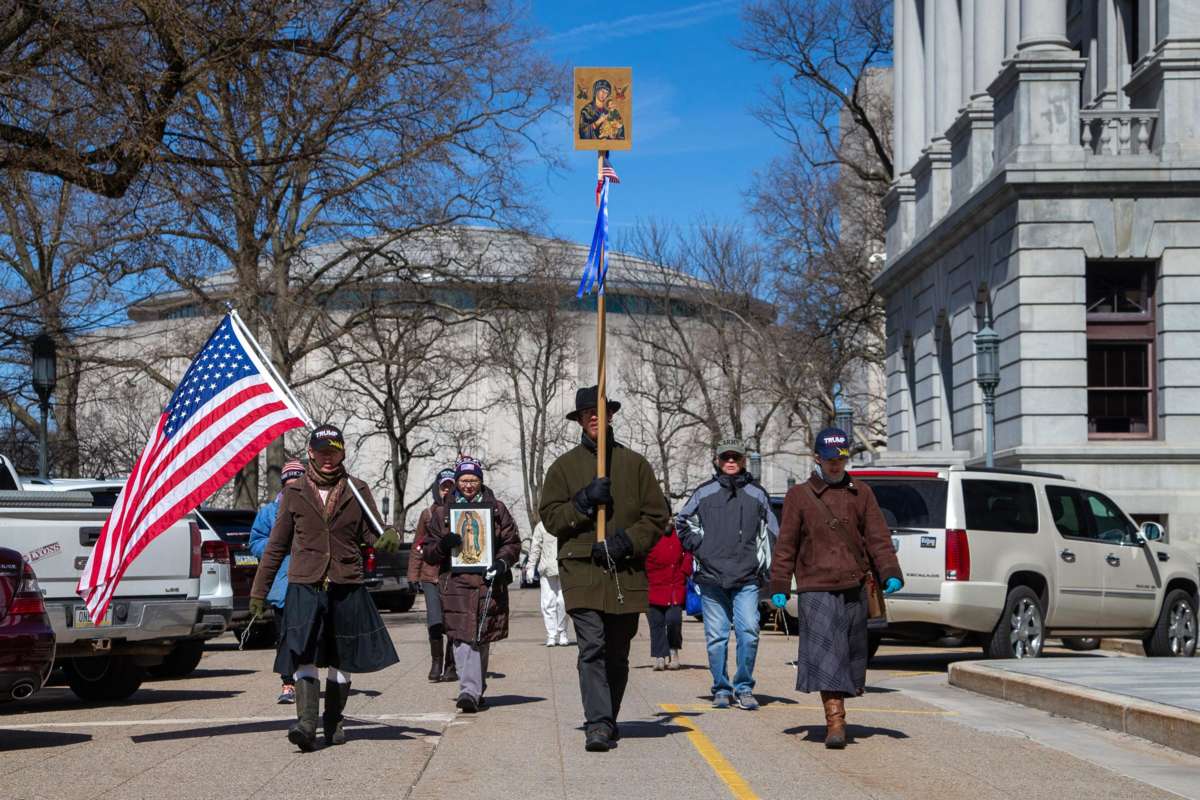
x=1013, y=557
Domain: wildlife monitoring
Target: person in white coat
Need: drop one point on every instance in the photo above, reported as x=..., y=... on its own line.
x=543, y=557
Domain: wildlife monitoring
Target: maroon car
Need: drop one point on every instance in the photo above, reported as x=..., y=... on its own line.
x=26, y=638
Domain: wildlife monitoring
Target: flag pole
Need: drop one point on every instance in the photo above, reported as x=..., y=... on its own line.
x=287, y=390
x=602, y=398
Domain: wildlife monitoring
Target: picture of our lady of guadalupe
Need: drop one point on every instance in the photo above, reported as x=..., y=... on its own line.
x=474, y=525
x=603, y=108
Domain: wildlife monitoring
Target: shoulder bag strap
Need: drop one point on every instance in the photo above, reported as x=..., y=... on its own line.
x=855, y=543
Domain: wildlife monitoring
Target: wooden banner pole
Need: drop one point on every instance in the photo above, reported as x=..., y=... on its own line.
x=602, y=398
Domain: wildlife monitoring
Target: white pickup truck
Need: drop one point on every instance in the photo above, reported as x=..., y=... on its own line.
x=156, y=606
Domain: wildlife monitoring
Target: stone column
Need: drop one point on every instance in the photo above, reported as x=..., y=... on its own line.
x=1043, y=25
x=1012, y=26
x=1037, y=94
x=913, y=67
x=899, y=108
x=989, y=45
x=929, y=39
x=948, y=65
x=1109, y=47
x=966, y=12
x=1168, y=79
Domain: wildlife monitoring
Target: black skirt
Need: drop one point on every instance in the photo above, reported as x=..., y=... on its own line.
x=832, y=636
x=335, y=627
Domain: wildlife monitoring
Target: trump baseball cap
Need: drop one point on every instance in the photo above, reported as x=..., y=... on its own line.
x=326, y=436
x=832, y=443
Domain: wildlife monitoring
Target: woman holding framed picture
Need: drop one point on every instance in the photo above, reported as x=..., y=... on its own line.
x=476, y=533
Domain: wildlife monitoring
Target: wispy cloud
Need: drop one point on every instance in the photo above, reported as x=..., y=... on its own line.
x=636, y=24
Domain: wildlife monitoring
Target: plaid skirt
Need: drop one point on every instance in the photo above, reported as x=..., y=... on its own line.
x=335, y=627
x=833, y=642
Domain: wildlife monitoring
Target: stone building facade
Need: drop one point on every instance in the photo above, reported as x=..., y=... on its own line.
x=1048, y=163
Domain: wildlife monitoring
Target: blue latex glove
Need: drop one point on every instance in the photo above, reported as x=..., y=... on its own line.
x=779, y=600
x=893, y=585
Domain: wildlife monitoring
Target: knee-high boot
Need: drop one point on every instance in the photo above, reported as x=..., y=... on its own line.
x=451, y=673
x=835, y=720
x=336, y=695
x=308, y=700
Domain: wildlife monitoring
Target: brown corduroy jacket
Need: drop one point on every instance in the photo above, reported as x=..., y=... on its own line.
x=820, y=557
x=420, y=570
x=319, y=548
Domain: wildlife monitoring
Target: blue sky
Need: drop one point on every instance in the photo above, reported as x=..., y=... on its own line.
x=696, y=145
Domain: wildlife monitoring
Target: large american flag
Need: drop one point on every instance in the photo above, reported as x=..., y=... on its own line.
x=228, y=407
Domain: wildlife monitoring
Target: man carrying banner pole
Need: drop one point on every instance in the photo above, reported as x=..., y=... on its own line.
x=604, y=525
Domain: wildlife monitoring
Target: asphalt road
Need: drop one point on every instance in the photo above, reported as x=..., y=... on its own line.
x=219, y=733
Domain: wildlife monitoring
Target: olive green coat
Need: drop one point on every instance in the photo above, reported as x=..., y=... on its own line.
x=638, y=507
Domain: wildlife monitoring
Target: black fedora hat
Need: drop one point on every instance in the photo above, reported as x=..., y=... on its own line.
x=589, y=397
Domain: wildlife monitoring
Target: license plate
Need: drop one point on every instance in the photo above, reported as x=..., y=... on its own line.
x=245, y=560
x=82, y=620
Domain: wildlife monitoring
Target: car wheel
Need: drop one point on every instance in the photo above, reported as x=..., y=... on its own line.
x=1175, y=632
x=104, y=677
x=1021, y=631
x=1081, y=644
x=403, y=602
x=181, y=661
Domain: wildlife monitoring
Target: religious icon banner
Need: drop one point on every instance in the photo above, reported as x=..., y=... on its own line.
x=603, y=108
x=473, y=522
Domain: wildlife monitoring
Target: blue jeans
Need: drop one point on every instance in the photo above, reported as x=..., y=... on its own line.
x=720, y=606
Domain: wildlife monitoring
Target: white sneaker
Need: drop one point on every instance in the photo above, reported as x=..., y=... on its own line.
x=550, y=641
x=563, y=640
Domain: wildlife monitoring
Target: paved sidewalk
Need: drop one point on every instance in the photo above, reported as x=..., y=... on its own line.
x=1156, y=699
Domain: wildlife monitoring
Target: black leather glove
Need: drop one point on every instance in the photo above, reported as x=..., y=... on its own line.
x=498, y=569
x=449, y=542
x=591, y=497
x=619, y=549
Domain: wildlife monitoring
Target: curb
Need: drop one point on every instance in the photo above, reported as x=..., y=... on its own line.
x=1166, y=725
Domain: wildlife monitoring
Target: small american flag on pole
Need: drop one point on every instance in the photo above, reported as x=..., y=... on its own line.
x=604, y=172
x=228, y=407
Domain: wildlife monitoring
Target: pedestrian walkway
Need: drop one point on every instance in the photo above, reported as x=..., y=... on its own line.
x=1157, y=699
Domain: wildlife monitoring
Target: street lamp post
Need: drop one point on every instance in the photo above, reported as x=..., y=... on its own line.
x=45, y=376
x=987, y=375
x=755, y=460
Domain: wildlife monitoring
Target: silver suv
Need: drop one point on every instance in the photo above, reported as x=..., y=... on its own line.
x=1011, y=557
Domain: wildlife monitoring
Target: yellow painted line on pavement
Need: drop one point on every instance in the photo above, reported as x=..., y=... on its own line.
x=904, y=674
x=849, y=709
x=708, y=751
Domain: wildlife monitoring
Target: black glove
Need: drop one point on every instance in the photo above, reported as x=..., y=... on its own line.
x=591, y=497
x=449, y=542
x=499, y=568
x=619, y=549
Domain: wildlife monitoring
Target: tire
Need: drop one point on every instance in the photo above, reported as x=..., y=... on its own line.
x=104, y=678
x=1081, y=644
x=181, y=661
x=403, y=602
x=1175, y=632
x=1021, y=631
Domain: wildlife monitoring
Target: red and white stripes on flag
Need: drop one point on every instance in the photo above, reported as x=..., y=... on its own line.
x=228, y=407
x=604, y=172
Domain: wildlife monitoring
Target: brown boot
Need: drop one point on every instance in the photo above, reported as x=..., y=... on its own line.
x=835, y=720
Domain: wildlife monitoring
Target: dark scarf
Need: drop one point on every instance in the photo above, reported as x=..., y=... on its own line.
x=734, y=482
x=590, y=443
x=333, y=481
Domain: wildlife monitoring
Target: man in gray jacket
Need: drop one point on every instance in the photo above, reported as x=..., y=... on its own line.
x=728, y=526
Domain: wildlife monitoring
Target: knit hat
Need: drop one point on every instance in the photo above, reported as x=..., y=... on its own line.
x=291, y=470
x=468, y=466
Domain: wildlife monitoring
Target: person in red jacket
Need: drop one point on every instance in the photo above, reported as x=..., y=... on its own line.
x=667, y=570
